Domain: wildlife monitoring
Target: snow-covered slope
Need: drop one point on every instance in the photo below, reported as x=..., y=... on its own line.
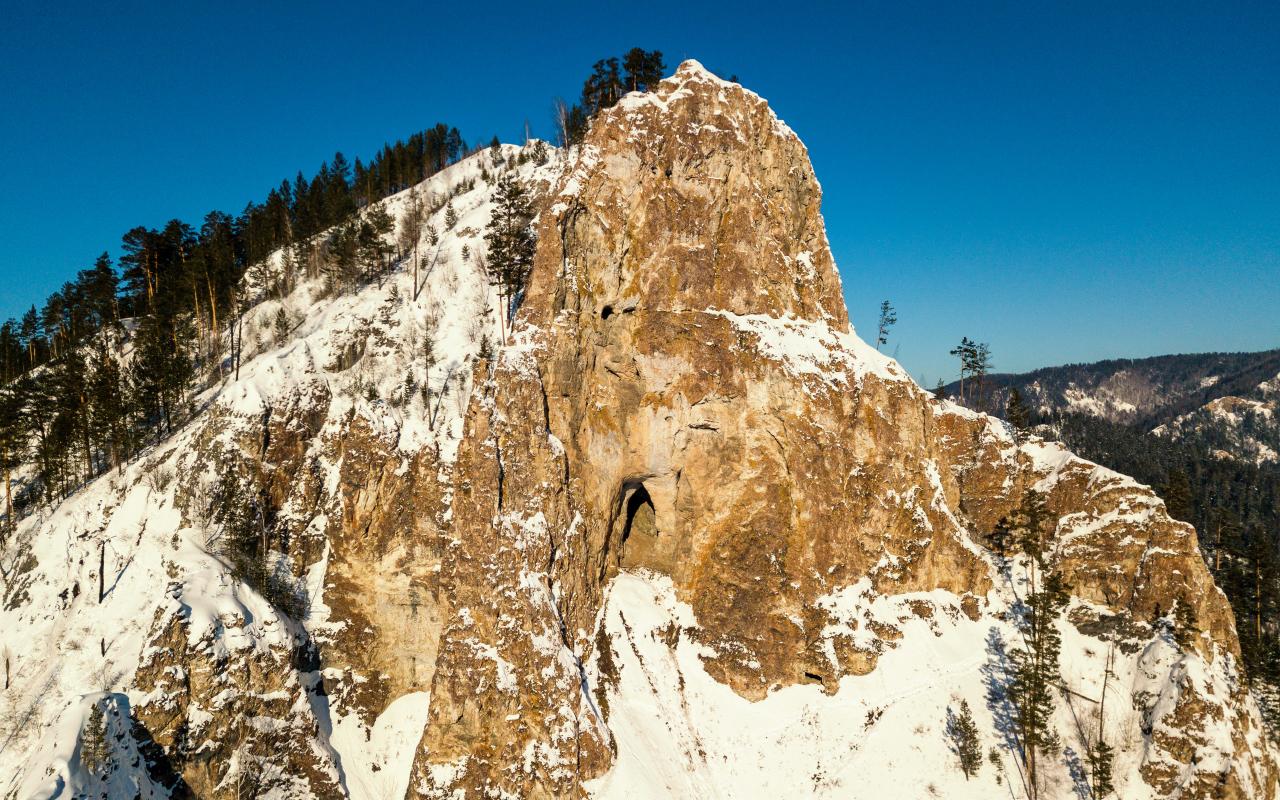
x=681, y=733
x=65, y=647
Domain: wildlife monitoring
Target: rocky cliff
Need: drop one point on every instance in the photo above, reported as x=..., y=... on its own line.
x=681, y=534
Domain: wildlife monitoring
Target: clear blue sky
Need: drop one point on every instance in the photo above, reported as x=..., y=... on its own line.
x=1067, y=184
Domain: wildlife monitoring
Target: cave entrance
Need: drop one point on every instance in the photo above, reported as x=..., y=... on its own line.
x=639, y=541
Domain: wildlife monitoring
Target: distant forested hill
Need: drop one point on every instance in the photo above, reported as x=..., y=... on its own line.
x=1143, y=392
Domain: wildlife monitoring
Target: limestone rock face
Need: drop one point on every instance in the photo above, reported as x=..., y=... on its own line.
x=683, y=394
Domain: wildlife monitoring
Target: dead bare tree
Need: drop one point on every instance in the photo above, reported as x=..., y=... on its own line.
x=412, y=222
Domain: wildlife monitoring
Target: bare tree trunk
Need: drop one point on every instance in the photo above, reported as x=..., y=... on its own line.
x=213, y=327
x=1257, y=603
x=239, y=347
x=8, y=499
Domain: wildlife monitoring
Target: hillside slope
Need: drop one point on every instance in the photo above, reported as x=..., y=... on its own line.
x=361, y=391
x=682, y=534
x=1144, y=392
x=1244, y=427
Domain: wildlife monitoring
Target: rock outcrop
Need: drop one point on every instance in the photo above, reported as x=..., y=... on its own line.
x=683, y=394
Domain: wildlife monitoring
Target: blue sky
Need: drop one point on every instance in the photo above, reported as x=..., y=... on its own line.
x=1066, y=182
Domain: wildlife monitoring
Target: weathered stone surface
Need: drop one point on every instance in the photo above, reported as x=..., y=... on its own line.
x=233, y=719
x=683, y=393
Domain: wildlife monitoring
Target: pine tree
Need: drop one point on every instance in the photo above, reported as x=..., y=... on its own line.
x=888, y=318
x=511, y=244
x=29, y=332
x=342, y=266
x=1001, y=537
x=1185, y=628
x=1177, y=495
x=1035, y=667
x=38, y=417
x=603, y=88
x=12, y=445
x=965, y=352
x=95, y=750
x=644, y=69
x=975, y=363
x=102, y=286
x=338, y=201
x=1099, y=757
x=162, y=369
x=374, y=250
x=979, y=368
x=964, y=738
x=1017, y=413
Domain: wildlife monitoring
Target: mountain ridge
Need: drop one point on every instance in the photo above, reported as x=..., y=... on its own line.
x=1145, y=392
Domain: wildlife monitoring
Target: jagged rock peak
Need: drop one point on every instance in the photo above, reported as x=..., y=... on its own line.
x=719, y=201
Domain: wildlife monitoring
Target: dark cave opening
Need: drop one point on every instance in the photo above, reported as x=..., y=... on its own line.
x=639, y=536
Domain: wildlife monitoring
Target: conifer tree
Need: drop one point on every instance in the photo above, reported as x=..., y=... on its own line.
x=338, y=201
x=965, y=352
x=341, y=267
x=975, y=363
x=29, y=332
x=979, y=368
x=888, y=318
x=603, y=87
x=1185, y=627
x=373, y=246
x=644, y=69
x=12, y=445
x=101, y=289
x=511, y=243
x=95, y=750
x=1035, y=667
x=1017, y=413
x=1099, y=756
x=964, y=738
x=39, y=410
x=161, y=370
x=1177, y=495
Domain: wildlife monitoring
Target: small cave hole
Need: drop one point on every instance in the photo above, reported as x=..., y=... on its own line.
x=636, y=546
x=813, y=677
x=606, y=312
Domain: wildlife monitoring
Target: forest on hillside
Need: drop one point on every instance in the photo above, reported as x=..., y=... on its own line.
x=108, y=364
